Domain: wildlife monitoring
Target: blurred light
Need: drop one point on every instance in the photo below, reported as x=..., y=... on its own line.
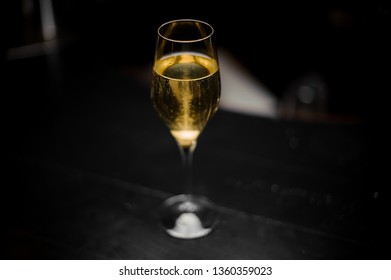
x=241, y=92
x=49, y=30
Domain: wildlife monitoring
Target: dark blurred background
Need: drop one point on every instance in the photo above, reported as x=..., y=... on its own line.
x=345, y=42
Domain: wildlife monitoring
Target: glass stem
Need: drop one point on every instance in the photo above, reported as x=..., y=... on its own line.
x=187, y=162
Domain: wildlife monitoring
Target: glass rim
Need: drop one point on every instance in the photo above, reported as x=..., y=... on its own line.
x=209, y=35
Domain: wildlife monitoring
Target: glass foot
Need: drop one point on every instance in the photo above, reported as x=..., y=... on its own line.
x=188, y=216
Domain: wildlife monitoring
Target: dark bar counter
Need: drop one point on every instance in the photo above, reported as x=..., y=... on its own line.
x=88, y=161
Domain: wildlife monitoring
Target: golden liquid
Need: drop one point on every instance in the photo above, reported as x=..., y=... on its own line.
x=186, y=94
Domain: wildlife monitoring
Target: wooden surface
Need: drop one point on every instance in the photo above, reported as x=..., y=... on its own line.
x=88, y=163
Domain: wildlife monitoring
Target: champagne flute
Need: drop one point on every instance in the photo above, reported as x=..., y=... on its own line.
x=185, y=93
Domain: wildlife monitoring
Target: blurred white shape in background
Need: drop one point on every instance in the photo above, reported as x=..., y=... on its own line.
x=39, y=29
x=49, y=29
x=241, y=92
